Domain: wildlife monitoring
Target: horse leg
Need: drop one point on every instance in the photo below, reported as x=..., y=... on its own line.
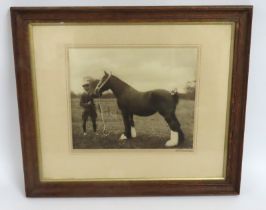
x=132, y=124
x=126, y=120
x=177, y=135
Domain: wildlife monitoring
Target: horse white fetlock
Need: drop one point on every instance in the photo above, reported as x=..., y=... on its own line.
x=122, y=137
x=133, y=132
x=173, y=141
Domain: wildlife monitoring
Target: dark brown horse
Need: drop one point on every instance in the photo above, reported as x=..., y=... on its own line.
x=133, y=102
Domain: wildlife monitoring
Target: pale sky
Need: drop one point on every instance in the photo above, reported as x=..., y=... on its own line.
x=144, y=68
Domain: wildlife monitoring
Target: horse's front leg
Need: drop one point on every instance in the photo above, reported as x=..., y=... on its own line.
x=126, y=120
x=132, y=127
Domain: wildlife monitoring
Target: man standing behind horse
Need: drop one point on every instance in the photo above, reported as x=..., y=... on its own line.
x=87, y=103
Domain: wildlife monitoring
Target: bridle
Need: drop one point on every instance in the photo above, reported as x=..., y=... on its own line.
x=101, y=84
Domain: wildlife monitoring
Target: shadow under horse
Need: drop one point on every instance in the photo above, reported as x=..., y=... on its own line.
x=133, y=102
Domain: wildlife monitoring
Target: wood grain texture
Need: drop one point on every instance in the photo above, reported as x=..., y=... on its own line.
x=240, y=15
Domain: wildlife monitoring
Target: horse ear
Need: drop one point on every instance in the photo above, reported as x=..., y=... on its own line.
x=105, y=73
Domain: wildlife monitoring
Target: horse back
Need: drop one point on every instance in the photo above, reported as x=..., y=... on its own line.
x=136, y=102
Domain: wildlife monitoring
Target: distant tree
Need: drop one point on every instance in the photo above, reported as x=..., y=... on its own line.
x=190, y=89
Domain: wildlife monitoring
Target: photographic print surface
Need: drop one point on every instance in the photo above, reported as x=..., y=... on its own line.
x=133, y=97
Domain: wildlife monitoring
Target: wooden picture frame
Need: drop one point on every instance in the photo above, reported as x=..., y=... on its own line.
x=22, y=17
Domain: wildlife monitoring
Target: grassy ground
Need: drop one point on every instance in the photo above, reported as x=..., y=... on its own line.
x=152, y=131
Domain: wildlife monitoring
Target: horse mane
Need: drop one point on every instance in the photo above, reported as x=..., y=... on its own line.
x=119, y=85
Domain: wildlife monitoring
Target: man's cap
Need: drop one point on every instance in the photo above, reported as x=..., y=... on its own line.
x=87, y=80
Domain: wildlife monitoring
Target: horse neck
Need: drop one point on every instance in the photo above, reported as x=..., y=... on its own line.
x=117, y=86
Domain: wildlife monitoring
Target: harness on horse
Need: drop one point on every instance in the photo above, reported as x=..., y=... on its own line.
x=99, y=85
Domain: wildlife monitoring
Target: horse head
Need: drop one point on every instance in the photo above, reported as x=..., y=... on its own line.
x=103, y=84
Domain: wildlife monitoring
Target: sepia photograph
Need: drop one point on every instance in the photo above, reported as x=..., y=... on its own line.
x=131, y=101
x=132, y=97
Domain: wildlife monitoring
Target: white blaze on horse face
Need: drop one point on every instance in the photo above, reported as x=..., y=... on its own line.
x=173, y=141
x=133, y=132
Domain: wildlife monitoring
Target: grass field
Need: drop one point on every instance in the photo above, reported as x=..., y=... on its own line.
x=152, y=131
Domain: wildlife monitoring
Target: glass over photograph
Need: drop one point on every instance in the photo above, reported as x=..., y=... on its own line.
x=133, y=97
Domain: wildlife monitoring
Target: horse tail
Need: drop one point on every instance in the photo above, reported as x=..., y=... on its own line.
x=175, y=96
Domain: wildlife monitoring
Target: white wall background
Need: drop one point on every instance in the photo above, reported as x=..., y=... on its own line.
x=253, y=188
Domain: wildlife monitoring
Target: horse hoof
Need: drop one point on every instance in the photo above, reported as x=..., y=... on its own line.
x=122, y=137
x=171, y=143
x=133, y=132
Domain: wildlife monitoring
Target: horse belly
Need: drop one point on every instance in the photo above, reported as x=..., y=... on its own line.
x=142, y=108
x=144, y=112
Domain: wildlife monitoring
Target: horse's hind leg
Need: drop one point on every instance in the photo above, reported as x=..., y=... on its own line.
x=177, y=135
x=132, y=124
